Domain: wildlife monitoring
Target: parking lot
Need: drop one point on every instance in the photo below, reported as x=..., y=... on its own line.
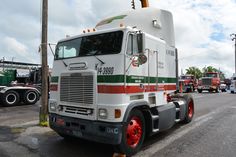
x=212, y=133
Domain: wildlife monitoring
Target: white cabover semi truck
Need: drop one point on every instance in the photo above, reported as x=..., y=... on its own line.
x=111, y=84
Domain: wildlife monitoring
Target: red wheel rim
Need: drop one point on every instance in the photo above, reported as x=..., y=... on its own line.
x=190, y=109
x=134, y=132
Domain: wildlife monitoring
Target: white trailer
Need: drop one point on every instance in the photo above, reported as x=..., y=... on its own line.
x=111, y=84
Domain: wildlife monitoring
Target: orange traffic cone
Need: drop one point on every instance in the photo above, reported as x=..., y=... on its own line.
x=181, y=87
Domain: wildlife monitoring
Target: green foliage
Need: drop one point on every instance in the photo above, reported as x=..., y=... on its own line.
x=198, y=73
x=194, y=71
x=212, y=69
x=209, y=69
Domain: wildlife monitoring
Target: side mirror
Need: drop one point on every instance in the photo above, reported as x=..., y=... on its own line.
x=140, y=37
x=142, y=59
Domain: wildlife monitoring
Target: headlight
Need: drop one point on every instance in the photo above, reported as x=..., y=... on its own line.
x=53, y=106
x=102, y=113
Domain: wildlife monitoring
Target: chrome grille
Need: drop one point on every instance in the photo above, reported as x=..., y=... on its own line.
x=206, y=81
x=77, y=88
x=78, y=110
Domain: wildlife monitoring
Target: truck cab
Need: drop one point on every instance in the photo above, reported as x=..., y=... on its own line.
x=111, y=84
x=188, y=83
x=210, y=82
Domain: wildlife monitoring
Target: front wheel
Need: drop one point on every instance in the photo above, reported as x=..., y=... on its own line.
x=133, y=134
x=199, y=90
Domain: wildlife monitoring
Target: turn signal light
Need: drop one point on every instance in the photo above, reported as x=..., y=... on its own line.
x=117, y=113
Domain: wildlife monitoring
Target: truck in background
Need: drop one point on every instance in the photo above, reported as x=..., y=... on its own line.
x=210, y=82
x=233, y=84
x=188, y=83
x=19, y=89
x=116, y=83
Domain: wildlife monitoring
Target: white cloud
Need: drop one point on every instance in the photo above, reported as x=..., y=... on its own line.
x=196, y=26
x=15, y=49
x=202, y=28
x=13, y=46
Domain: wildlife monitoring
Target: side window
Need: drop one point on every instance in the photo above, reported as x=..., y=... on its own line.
x=132, y=47
x=60, y=52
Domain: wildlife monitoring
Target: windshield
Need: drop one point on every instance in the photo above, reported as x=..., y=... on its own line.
x=187, y=77
x=101, y=44
x=211, y=75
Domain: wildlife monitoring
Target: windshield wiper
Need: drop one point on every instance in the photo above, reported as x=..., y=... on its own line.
x=64, y=63
x=99, y=59
x=93, y=55
x=55, y=55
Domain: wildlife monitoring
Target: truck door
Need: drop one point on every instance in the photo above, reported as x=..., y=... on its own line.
x=136, y=69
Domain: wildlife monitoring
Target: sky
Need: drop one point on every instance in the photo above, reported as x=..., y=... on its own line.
x=202, y=27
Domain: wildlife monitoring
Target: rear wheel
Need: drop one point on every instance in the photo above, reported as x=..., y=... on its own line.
x=31, y=97
x=189, y=109
x=133, y=134
x=199, y=90
x=223, y=90
x=11, y=98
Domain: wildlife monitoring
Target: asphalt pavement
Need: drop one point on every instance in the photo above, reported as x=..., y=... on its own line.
x=212, y=133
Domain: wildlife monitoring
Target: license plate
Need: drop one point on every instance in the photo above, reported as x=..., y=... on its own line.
x=77, y=133
x=206, y=87
x=60, y=122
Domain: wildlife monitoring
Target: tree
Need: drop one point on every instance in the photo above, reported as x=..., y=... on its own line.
x=212, y=69
x=222, y=75
x=194, y=71
x=209, y=69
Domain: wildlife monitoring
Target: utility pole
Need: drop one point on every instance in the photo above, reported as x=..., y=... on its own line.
x=233, y=37
x=3, y=59
x=43, y=115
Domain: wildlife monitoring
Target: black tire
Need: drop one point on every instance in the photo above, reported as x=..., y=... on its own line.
x=191, y=89
x=199, y=90
x=10, y=98
x=188, y=90
x=134, y=124
x=67, y=137
x=31, y=97
x=189, y=108
x=223, y=90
